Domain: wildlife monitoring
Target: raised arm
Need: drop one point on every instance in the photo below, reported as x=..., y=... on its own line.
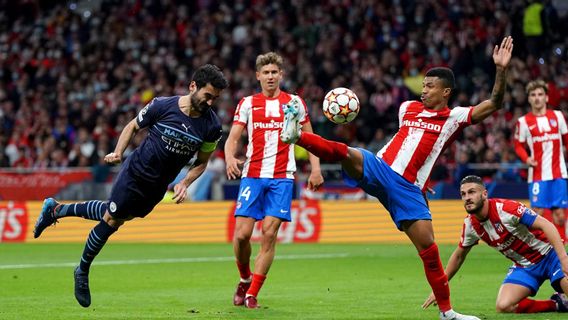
x=501, y=58
x=123, y=140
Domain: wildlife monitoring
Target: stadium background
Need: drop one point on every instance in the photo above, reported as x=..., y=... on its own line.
x=73, y=73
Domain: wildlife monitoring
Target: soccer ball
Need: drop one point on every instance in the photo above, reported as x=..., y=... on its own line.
x=340, y=105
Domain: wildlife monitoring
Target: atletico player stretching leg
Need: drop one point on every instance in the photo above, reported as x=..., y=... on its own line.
x=398, y=174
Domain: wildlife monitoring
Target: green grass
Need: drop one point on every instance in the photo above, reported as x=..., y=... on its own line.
x=305, y=282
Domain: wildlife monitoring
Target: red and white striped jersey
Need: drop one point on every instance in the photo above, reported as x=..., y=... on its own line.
x=543, y=135
x=504, y=232
x=422, y=136
x=267, y=156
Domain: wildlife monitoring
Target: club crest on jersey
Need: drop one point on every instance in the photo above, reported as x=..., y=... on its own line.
x=499, y=227
x=553, y=123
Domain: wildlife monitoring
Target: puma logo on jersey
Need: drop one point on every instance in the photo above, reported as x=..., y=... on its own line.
x=186, y=128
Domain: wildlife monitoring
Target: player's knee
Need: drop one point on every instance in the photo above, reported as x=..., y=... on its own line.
x=241, y=236
x=269, y=235
x=504, y=307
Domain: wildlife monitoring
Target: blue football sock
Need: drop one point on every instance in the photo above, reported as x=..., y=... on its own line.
x=92, y=210
x=96, y=241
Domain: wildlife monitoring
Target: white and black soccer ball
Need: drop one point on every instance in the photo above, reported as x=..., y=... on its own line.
x=341, y=105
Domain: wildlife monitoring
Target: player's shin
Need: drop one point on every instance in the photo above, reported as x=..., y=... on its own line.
x=95, y=242
x=535, y=306
x=322, y=148
x=91, y=210
x=436, y=276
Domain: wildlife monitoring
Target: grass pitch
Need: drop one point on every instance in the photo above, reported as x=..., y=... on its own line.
x=176, y=281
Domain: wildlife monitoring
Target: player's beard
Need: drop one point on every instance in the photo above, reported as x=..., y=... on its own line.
x=477, y=205
x=197, y=105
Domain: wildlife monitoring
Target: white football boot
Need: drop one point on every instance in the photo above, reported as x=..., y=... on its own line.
x=452, y=315
x=293, y=112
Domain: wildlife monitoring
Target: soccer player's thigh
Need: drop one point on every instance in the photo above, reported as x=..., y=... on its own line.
x=518, y=284
x=250, y=201
x=558, y=193
x=129, y=199
x=353, y=165
x=278, y=199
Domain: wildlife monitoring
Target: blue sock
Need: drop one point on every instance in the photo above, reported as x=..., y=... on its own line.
x=92, y=210
x=96, y=241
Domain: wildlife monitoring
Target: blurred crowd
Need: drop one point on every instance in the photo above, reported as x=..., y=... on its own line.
x=72, y=74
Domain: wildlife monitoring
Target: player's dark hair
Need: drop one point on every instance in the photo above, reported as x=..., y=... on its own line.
x=444, y=74
x=209, y=73
x=472, y=179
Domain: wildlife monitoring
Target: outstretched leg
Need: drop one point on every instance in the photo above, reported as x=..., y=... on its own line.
x=53, y=210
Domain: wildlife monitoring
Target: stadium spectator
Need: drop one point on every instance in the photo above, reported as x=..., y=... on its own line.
x=398, y=174
x=530, y=241
x=180, y=127
x=265, y=192
x=83, y=63
x=545, y=132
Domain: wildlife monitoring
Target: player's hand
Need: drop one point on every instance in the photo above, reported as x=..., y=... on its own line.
x=233, y=168
x=502, y=53
x=532, y=162
x=315, y=180
x=113, y=158
x=430, y=301
x=180, y=192
x=431, y=191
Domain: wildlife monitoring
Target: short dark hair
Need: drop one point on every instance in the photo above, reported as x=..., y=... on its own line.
x=444, y=74
x=210, y=73
x=472, y=179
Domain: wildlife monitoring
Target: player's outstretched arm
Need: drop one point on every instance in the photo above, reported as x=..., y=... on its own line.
x=180, y=189
x=501, y=58
x=233, y=164
x=123, y=140
x=454, y=264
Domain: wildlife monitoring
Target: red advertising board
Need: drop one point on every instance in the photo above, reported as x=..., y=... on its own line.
x=13, y=221
x=304, y=227
x=17, y=186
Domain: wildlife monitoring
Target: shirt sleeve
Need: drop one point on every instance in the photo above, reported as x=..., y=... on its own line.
x=528, y=217
x=401, y=111
x=243, y=110
x=212, y=138
x=149, y=114
x=305, y=117
x=462, y=115
x=468, y=237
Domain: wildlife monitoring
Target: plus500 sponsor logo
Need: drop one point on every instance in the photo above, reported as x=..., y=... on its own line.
x=304, y=227
x=269, y=125
x=13, y=222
